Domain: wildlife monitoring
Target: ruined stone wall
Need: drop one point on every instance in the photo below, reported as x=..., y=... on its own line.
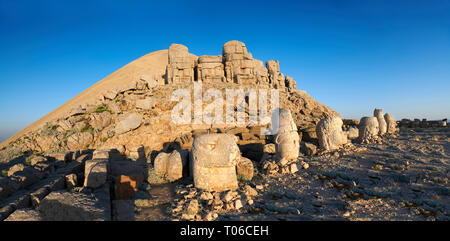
x=236, y=65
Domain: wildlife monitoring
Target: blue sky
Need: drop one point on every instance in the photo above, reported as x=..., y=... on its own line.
x=351, y=55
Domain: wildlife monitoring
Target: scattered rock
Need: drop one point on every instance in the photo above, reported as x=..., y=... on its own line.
x=145, y=104
x=238, y=204
x=192, y=207
x=129, y=123
x=244, y=168
x=16, y=168
x=308, y=148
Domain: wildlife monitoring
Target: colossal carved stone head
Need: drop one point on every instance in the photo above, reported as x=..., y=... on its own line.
x=178, y=53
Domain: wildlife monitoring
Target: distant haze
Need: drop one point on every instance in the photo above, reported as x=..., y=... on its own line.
x=353, y=56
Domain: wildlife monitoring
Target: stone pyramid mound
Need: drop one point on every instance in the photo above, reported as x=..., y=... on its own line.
x=130, y=110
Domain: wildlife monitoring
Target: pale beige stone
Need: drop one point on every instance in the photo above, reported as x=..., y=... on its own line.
x=390, y=123
x=244, y=168
x=368, y=129
x=378, y=113
x=287, y=139
x=181, y=65
x=210, y=69
x=214, y=162
x=330, y=134
x=130, y=122
x=160, y=164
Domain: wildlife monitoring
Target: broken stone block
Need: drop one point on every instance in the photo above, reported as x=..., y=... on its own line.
x=308, y=148
x=145, y=104
x=100, y=154
x=16, y=168
x=71, y=181
x=36, y=159
x=175, y=166
x=352, y=133
x=95, y=173
x=160, y=163
x=270, y=148
x=244, y=168
x=129, y=123
x=214, y=162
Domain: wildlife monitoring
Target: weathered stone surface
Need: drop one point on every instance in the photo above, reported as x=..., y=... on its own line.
x=100, y=120
x=287, y=139
x=95, y=173
x=290, y=83
x=80, y=140
x=71, y=181
x=175, y=166
x=244, y=168
x=111, y=94
x=352, y=133
x=160, y=164
x=210, y=69
x=308, y=149
x=276, y=78
x=391, y=125
x=129, y=123
x=37, y=159
x=214, y=162
x=330, y=134
x=240, y=67
x=368, y=129
x=270, y=148
x=66, y=206
x=100, y=154
x=77, y=111
x=26, y=214
x=145, y=104
x=16, y=168
x=378, y=113
x=181, y=65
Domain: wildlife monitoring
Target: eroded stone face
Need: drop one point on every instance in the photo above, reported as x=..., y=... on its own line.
x=214, y=162
x=378, y=113
x=390, y=123
x=287, y=140
x=240, y=67
x=330, y=134
x=368, y=129
x=210, y=69
x=181, y=65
